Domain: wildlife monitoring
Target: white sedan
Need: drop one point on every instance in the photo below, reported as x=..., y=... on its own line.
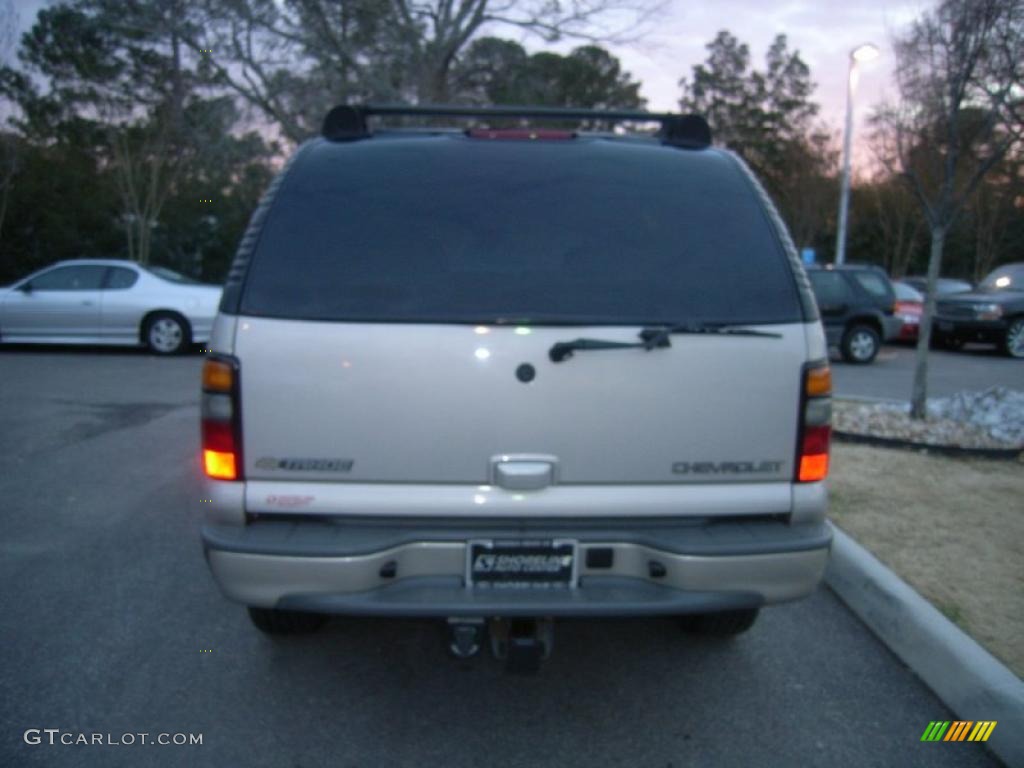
x=108, y=301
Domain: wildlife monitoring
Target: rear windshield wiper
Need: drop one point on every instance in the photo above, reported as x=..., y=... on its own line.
x=654, y=336
x=651, y=338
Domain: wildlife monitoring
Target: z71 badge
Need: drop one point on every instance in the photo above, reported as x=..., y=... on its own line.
x=306, y=465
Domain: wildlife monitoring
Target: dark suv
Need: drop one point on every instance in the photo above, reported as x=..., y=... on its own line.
x=993, y=313
x=857, y=305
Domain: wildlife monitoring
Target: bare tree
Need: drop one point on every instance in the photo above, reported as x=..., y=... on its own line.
x=148, y=154
x=992, y=210
x=899, y=223
x=290, y=59
x=8, y=141
x=117, y=77
x=804, y=192
x=960, y=72
x=767, y=116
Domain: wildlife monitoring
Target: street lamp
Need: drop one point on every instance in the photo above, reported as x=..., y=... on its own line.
x=859, y=55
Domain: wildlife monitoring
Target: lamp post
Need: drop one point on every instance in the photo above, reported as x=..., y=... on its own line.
x=861, y=53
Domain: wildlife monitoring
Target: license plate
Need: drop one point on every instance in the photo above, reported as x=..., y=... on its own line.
x=535, y=563
x=944, y=326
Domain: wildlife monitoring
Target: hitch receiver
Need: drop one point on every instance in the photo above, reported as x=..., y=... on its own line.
x=522, y=643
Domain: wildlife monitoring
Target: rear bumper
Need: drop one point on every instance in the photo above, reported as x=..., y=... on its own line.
x=908, y=332
x=202, y=329
x=346, y=567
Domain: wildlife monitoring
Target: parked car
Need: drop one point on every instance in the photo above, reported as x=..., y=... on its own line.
x=909, y=308
x=500, y=376
x=993, y=313
x=108, y=301
x=943, y=285
x=858, y=309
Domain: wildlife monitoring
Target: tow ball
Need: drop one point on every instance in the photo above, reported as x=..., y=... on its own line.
x=465, y=637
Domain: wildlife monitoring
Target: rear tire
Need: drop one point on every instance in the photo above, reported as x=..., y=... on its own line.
x=273, y=621
x=860, y=344
x=721, y=624
x=1013, y=341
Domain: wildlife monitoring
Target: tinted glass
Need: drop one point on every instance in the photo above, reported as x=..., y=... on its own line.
x=952, y=286
x=905, y=293
x=84, y=278
x=120, y=278
x=172, y=276
x=874, y=283
x=829, y=288
x=467, y=230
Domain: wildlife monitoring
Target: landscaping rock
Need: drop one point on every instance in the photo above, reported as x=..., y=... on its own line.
x=993, y=418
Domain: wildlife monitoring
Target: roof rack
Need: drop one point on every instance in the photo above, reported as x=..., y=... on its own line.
x=348, y=122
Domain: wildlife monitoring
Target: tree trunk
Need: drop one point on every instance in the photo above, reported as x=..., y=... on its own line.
x=129, y=236
x=5, y=192
x=919, y=394
x=144, y=238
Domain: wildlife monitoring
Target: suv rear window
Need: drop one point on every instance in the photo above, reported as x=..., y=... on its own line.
x=455, y=229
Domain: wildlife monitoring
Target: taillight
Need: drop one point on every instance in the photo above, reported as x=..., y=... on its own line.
x=221, y=418
x=815, y=424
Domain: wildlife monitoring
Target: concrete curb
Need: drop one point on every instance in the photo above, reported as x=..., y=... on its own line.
x=869, y=399
x=966, y=677
x=998, y=454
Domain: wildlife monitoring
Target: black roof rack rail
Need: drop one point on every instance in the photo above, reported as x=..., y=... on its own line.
x=348, y=122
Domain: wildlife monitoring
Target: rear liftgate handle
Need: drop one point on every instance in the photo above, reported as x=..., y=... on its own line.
x=523, y=472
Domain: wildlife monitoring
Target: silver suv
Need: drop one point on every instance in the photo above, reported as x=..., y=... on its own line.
x=499, y=376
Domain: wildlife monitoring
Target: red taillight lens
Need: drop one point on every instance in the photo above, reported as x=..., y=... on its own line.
x=815, y=424
x=218, y=436
x=220, y=419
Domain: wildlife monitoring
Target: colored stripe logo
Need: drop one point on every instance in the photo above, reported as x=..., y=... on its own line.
x=958, y=730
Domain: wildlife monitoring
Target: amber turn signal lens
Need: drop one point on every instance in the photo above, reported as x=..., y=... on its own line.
x=219, y=465
x=218, y=376
x=818, y=382
x=813, y=467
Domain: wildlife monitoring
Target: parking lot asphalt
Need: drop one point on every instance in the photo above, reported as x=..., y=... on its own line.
x=891, y=375
x=112, y=625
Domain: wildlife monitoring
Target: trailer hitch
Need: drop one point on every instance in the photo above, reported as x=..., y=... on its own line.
x=522, y=643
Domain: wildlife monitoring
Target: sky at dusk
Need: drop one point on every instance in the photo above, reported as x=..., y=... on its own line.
x=824, y=31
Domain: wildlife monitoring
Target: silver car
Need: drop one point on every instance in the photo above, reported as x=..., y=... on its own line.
x=501, y=376
x=108, y=301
